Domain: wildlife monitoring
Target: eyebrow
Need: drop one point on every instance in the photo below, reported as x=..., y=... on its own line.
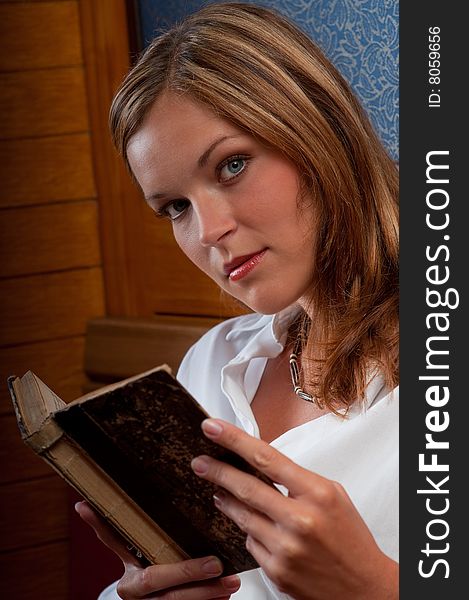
x=201, y=162
x=203, y=159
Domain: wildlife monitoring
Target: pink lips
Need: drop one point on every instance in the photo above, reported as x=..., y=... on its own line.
x=242, y=265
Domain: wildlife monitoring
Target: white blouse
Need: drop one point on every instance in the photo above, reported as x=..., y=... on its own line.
x=223, y=371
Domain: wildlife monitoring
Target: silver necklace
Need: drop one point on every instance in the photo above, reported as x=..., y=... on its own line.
x=295, y=376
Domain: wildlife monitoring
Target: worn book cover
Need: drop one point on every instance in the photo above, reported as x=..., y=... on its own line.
x=127, y=449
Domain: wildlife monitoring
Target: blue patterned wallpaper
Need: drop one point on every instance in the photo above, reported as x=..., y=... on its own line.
x=361, y=37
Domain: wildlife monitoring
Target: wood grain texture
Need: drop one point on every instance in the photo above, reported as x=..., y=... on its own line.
x=38, y=35
x=49, y=306
x=33, y=573
x=17, y=460
x=41, y=509
x=43, y=102
x=118, y=347
x=11, y=1
x=106, y=56
x=59, y=362
x=42, y=96
x=34, y=171
x=49, y=238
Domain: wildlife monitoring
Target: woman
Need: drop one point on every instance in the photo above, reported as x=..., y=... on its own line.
x=239, y=131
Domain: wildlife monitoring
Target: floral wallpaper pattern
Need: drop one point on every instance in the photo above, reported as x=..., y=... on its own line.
x=361, y=37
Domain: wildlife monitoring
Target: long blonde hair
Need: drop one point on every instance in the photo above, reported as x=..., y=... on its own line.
x=259, y=71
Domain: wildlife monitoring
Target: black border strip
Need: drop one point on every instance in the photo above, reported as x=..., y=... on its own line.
x=433, y=115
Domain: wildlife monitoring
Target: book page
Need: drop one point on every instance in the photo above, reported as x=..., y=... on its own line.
x=34, y=401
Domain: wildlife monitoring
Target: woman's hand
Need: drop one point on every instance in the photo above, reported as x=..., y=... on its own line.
x=197, y=579
x=312, y=544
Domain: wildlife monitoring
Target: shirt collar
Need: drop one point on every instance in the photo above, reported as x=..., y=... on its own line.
x=265, y=335
x=257, y=336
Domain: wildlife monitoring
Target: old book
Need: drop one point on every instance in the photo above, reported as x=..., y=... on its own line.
x=127, y=448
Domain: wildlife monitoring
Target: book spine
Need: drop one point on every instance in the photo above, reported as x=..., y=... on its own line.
x=40, y=441
x=111, y=502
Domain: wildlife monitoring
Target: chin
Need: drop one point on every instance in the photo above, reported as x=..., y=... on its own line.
x=270, y=305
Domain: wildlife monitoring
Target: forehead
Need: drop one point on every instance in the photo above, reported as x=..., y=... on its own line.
x=176, y=127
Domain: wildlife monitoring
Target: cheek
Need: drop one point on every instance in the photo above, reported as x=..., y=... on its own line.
x=282, y=194
x=189, y=243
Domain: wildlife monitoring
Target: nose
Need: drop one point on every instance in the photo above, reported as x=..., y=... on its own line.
x=215, y=218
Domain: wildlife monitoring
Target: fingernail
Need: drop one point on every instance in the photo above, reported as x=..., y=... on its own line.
x=77, y=506
x=218, y=498
x=212, y=566
x=211, y=428
x=199, y=465
x=231, y=583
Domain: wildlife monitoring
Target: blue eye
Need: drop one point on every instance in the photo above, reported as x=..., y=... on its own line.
x=175, y=209
x=232, y=167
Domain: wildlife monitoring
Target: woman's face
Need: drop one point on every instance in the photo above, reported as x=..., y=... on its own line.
x=232, y=201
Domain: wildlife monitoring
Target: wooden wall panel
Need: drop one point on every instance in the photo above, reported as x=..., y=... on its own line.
x=57, y=362
x=26, y=99
x=39, y=505
x=119, y=347
x=50, y=270
x=49, y=238
x=31, y=0
x=35, y=572
x=39, y=34
x=48, y=169
x=107, y=58
x=48, y=306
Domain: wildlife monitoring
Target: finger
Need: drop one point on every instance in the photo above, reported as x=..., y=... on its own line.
x=197, y=592
x=215, y=590
x=258, y=551
x=252, y=522
x=108, y=536
x=247, y=488
x=261, y=456
x=148, y=583
x=161, y=577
